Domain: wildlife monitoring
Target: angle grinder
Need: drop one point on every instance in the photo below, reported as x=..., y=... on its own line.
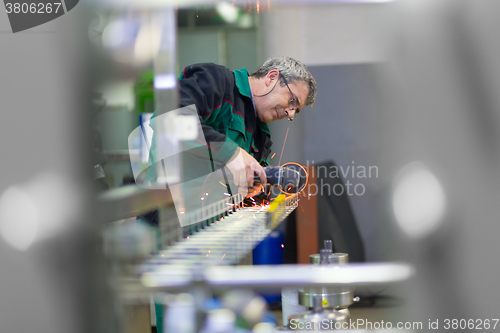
x=288, y=179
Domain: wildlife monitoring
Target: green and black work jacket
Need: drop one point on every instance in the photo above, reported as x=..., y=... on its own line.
x=227, y=115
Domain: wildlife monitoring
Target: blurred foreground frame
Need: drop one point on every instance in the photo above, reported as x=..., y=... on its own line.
x=445, y=115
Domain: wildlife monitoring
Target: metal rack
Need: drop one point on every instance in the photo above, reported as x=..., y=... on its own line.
x=229, y=239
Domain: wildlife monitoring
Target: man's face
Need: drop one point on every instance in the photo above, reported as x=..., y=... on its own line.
x=276, y=105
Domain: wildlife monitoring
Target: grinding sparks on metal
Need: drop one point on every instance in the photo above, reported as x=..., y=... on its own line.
x=273, y=155
x=223, y=184
x=223, y=256
x=283, y=148
x=227, y=194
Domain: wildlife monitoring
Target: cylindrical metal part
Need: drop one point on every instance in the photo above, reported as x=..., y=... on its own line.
x=333, y=258
x=316, y=303
x=329, y=245
x=331, y=297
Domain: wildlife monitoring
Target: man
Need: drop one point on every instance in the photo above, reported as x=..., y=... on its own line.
x=234, y=109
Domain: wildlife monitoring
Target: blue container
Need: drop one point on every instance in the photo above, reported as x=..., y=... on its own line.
x=270, y=252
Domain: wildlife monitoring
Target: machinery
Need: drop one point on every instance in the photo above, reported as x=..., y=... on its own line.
x=287, y=179
x=324, y=303
x=211, y=265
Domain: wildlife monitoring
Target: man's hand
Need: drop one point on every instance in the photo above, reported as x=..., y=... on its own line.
x=243, y=167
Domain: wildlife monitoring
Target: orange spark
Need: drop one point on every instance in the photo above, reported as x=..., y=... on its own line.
x=284, y=142
x=223, y=184
x=223, y=256
x=273, y=156
x=258, y=7
x=302, y=208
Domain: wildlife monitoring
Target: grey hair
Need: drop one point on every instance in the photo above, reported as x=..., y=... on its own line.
x=293, y=71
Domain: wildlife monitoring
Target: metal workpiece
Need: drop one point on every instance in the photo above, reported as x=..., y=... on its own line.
x=328, y=245
x=324, y=256
x=282, y=210
x=331, y=297
x=225, y=206
x=340, y=299
x=228, y=240
x=333, y=258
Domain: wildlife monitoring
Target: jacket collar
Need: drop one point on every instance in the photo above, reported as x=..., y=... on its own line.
x=241, y=80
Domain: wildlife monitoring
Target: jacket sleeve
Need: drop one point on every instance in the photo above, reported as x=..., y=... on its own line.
x=205, y=86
